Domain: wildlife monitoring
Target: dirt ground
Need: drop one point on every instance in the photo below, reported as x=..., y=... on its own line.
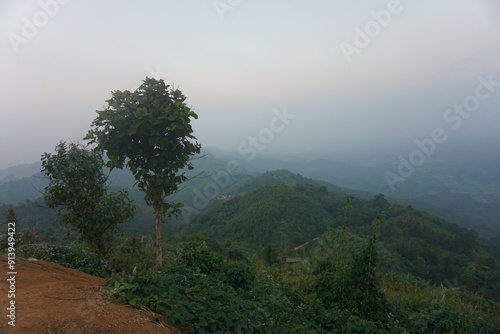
x=52, y=299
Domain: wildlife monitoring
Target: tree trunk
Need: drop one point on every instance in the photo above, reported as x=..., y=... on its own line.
x=159, y=217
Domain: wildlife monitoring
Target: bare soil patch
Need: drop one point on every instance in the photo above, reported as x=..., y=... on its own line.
x=54, y=299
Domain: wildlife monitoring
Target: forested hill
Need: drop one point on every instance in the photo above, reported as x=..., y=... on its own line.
x=273, y=214
x=283, y=209
x=285, y=215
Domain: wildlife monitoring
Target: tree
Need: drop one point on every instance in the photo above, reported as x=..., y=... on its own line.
x=348, y=274
x=9, y=220
x=77, y=187
x=367, y=295
x=149, y=131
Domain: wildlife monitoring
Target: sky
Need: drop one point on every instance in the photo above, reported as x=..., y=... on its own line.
x=318, y=78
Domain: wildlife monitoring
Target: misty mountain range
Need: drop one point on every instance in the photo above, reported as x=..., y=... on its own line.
x=457, y=189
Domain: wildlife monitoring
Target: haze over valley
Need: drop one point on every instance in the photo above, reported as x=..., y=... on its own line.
x=255, y=167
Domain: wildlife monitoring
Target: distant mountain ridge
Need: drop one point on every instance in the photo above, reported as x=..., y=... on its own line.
x=467, y=193
x=20, y=171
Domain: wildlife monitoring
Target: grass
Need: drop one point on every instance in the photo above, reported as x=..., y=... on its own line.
x=412, y=295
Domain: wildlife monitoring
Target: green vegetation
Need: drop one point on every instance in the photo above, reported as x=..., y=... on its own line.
x=277, y=218
x=149, y=131
x=203, y=290
x=75, y=257
x=77, y=187
x=274, y=214
x=367, y=266
x=272, y=253
x=354, y=279
x=11, y=237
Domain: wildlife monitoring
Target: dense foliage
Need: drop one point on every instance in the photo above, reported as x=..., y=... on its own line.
x=204, y=291
x=286, y=215
x=127, y=254
x=69, y=256
x=404, y=272
x=77, y=187
x=149, y=131
x=274, y=214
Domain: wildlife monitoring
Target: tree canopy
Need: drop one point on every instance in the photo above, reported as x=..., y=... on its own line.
x=77, y=187
x=149, y=131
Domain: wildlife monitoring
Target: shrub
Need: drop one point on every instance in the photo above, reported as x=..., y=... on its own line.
x=196, y=255
x=129, y=254
x=352, y=282
x=239, y=275
x=71, y=257
x=199, y=302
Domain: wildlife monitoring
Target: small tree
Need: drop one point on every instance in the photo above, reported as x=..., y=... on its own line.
x=350, y=278
x=365, y=294
x=77, y=186
x=10, y=218
x=149, y=131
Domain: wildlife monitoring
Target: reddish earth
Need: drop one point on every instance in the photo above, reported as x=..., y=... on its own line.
x=52, y=299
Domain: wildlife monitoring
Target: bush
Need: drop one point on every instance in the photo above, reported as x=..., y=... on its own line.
x=437, y=317
x=199, y=302
x=204, y=292
x=427, y=308
x=129, y=254
x=352, y=281
x=239, y=275
x=71, y=257
x=198, y=256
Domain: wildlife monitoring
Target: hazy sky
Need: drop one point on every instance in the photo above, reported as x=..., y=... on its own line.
x=351, y=75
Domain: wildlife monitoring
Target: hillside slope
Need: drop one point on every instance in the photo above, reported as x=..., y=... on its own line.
x=288, y=215
x=54, y=299
x=273, y=214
